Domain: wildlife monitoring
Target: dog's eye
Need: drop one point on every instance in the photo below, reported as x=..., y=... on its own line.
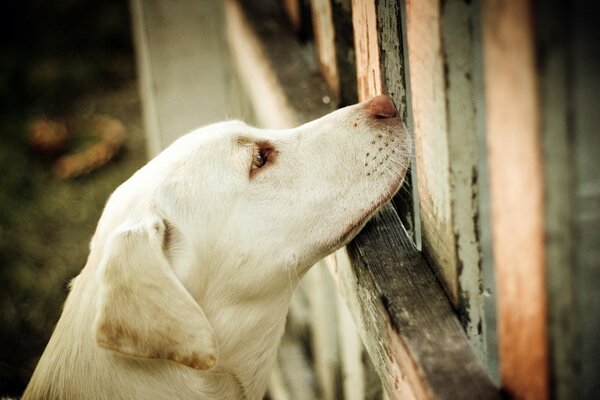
x=258, y=159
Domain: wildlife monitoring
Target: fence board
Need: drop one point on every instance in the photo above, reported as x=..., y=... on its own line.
x=380, y=68
x=366, y=44
x=516, y=187
x=428, y=103
x=169, y=58
x=257, y=48
x=406, y=322
x=457, y=19
x=322, y=20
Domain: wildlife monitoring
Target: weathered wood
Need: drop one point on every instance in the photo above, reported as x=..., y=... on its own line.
x=380, y=68
x=428, y=103
x=406, y=322
x=259, y=49
x=325, y=45
x=176, y=97
x=457, y=17
x=332, y=25
x=366, y=45
x=516, y=186
x=391, y=49
x=484, y=225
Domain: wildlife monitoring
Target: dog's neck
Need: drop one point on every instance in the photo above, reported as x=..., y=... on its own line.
x=80, y=369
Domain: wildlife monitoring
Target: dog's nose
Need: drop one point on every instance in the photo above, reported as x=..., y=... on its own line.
x=381, y=106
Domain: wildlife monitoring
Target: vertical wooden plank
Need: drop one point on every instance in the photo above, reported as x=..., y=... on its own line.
x=255, y=72
x=560, y=188
x=294, y=13
x=391, y=48
x=145, y=79
x=484, y=224
x=366, y=44
x=447, y=185
x=380, y=68
x=332, y=25
x=457, y=19
x=344, y=50
x=585, y=62
x=428, y=103
x=321, y=298
x=351, y=354
x=325, y=44
x=516, y=188
x=175, y=49
x=298, y=15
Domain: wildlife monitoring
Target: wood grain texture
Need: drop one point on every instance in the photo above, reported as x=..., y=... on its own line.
x=391, y=47
x=380, y=68
x=457, y=19
x=516, y=186
x=366, y=44
x=428, y=102
x=407, y=324
x=284, y=94
x=325, y=45
x=405, y=320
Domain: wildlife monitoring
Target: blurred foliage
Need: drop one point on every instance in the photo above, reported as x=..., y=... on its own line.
x=59, y=58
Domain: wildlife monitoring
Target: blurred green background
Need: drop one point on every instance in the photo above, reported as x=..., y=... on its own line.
x=60, y=59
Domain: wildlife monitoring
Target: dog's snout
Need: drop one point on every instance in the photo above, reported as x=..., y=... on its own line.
x=381, y=106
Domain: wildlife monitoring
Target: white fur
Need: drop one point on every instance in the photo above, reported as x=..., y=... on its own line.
x=195, y=258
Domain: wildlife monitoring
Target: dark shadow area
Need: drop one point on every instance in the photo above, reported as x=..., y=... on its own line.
x=66, y=61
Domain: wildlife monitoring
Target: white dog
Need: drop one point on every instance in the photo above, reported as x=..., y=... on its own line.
x=187, y=286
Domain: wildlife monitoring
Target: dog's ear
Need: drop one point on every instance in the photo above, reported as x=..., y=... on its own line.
x=143, y=309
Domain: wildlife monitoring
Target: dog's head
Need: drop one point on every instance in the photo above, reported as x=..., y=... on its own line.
x=231, y=210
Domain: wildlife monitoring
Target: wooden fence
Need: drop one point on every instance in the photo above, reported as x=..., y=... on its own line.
x=481, y=277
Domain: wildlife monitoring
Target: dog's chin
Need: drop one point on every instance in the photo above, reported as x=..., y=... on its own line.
x=355, y=227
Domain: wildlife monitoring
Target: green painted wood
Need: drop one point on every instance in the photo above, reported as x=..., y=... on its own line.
x=458, y=44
